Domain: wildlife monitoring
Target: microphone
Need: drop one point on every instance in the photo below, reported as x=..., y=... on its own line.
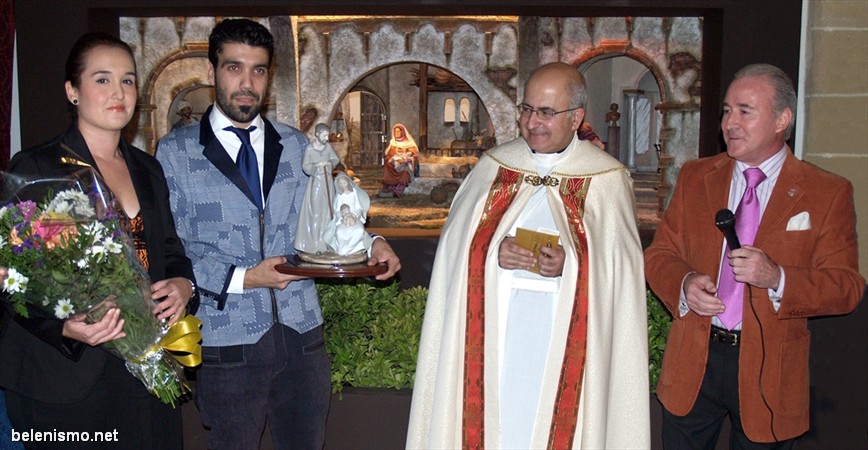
x=725, y=221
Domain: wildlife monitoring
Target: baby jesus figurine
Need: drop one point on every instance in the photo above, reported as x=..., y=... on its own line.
x=349, y=232
x=345, y=234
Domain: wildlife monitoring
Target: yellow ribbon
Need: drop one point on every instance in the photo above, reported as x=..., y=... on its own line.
x=184, y=337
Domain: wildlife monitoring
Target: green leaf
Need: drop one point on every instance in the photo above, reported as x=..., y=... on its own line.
x=372, y=332
x=659, y=322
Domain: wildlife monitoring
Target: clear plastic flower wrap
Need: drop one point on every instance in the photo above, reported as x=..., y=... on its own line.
x=68, y=252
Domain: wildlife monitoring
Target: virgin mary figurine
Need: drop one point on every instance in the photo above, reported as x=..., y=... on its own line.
x=401, y=163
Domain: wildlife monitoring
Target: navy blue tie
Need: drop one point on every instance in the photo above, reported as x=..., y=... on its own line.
x=247, y=163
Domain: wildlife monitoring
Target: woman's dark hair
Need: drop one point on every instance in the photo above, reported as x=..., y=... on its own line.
x=78, y=55
x=239, y=31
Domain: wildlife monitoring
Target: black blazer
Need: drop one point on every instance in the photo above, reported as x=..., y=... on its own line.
x=37, y=361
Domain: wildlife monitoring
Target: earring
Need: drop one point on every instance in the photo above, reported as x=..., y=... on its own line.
x=75, y=101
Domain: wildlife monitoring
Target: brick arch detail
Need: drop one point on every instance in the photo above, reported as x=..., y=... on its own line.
x=664, y=157
x=601, y=53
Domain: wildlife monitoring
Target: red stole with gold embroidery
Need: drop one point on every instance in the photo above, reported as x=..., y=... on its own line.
x=501, y=195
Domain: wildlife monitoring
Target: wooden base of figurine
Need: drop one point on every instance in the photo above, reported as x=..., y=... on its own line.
x=331, y=266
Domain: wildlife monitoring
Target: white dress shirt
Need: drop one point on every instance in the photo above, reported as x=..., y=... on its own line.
x=232, y=143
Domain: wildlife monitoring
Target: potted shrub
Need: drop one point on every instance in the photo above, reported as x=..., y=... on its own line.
x=372, y=334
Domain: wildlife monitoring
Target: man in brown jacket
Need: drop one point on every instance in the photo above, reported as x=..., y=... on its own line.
x=746, y=354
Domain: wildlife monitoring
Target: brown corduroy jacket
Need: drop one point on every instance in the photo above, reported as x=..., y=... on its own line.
x=822, y=278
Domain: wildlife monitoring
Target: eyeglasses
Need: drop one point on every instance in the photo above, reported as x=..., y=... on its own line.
x=525, y=110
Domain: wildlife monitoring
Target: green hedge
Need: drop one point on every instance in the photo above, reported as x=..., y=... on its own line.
x=372, y=332
x=659, y=321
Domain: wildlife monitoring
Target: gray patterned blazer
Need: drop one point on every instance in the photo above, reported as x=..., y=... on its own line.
x=220, y=228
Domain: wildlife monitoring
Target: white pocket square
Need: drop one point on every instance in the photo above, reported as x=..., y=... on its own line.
x=799, y=222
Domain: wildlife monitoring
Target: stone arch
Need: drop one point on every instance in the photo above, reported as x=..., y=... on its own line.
x=601, y=53
x=182, y=91
x=502, y=115
x=153, y=112
x=667, y=105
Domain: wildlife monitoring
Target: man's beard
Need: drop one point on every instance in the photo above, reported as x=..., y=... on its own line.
x=240, y=114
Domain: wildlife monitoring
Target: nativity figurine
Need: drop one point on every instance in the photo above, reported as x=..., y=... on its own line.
x=401, y=162
x=316, y=209
x=345, y=234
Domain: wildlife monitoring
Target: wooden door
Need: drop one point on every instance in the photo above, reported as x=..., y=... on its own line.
x=373, y=130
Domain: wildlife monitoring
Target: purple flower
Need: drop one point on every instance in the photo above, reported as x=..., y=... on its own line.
x=111, y=213
x=27, y=208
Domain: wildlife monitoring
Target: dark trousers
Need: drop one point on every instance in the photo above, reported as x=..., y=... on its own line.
x=118, y=404
x=718, y=396
x=284, y=378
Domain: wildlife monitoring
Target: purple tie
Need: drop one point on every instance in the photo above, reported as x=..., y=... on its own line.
x=747, y=218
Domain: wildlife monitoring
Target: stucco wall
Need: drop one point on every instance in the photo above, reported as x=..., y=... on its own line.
x=836, y=99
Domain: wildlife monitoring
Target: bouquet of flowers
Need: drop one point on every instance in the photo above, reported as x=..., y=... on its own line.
x=67, y=252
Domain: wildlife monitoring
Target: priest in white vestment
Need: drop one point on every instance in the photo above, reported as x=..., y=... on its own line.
x=548, y=351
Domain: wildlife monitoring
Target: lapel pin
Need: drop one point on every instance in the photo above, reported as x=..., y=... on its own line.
x=792, y=192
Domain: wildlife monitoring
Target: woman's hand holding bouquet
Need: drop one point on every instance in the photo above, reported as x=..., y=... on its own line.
x=109, y=328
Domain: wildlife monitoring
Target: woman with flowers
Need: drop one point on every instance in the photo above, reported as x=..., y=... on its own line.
x=55, y=376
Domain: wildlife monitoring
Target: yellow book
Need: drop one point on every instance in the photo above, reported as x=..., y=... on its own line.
x=533, y=240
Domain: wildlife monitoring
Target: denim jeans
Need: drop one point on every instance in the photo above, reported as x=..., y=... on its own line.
x=6, y=428
x=284, y=378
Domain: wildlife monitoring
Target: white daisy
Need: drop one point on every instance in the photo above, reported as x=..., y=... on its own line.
x=72, y=202
x=59, y=206
x=15, y=281
x=112, y=246
x=63, y=309
x=97, y=251
x=95, y=229
x=81, y=263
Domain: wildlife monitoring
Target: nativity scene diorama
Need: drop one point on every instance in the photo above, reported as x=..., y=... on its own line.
x=409, y=105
